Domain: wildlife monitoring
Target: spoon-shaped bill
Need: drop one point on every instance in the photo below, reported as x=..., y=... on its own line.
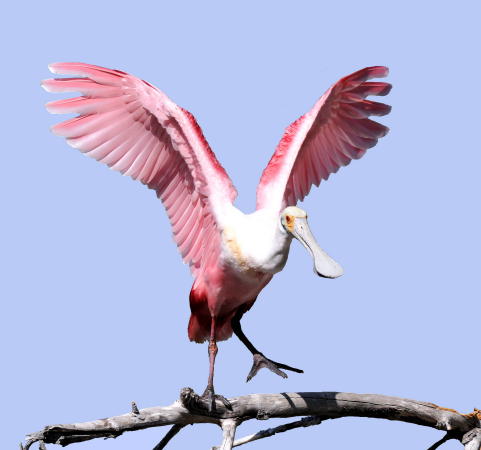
x=324, y=265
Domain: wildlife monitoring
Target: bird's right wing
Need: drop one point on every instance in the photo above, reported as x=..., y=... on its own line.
x=137, y=130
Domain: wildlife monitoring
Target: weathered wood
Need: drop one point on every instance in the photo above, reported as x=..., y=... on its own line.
x=326, y=405
x=167, y=438
x=441, y=441
x=304, y=422
x=472, y=439
x=229, y=427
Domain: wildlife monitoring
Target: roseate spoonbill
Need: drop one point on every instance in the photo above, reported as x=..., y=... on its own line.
x=137, y=130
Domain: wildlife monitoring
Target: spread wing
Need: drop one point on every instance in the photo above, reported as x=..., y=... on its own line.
x=137, y=130
x=334, y=132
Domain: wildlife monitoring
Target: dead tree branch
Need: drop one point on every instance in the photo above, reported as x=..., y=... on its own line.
x=304, y=422
x=466, y=428
x=170, y=434
x=229, y=427
x=441, y=441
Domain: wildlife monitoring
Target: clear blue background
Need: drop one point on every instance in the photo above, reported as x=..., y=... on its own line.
x=94, y=295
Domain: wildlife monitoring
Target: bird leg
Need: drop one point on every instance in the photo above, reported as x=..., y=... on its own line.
x=209, y=396
x=260, y=361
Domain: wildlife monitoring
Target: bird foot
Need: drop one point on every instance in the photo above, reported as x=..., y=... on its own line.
x=200, y=404
x=208, y=400
x=260, y=361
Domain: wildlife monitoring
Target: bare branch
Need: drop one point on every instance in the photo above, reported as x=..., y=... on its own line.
x=304, y=422
x=134, y=408
x=228, y=427
x=472, y=439
x=327, y=405
x=441, y=441
x=170, y=434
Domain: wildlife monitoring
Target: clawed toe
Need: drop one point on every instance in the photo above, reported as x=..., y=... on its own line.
x=224, y=401
x=208, y=400
x=260, y=361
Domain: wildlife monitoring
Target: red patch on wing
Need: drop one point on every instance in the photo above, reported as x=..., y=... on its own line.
x=200, y=135
x=275, y=163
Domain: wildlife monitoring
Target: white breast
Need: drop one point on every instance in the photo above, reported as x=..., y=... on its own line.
x=255, y=241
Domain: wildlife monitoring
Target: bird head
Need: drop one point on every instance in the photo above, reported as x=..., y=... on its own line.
x=294, y=222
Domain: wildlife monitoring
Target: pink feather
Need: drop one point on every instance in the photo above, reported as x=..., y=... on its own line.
x=137, y=130
x=334, y=132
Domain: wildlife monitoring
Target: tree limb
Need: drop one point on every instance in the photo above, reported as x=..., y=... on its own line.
x=472, y=439
x=466, y=428
x=170, y=434
x=304, y=422
x=441, y=441
x=228, y=427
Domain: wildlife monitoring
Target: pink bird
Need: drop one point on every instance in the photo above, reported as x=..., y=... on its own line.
x=134, y=128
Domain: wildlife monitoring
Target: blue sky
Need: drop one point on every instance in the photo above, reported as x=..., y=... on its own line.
x=94, y=294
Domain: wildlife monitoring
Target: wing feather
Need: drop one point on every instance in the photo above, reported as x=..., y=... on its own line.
x=335, y=131
x=135, y=129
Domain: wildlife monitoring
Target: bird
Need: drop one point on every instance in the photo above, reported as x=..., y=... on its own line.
x=135, y=129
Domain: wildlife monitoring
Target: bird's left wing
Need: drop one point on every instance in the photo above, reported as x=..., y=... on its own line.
x=137, y=130
x=335, y=131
